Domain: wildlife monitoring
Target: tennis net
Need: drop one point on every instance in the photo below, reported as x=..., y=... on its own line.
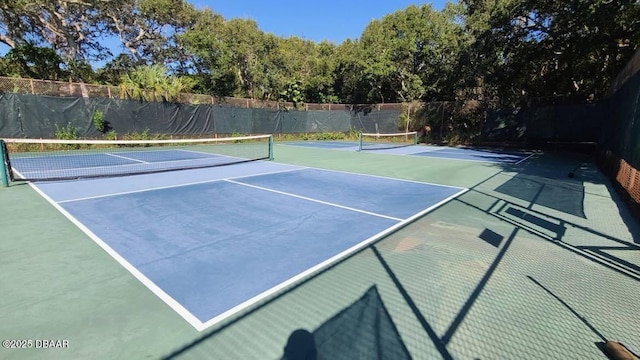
x=386, y=141
x=48, y=160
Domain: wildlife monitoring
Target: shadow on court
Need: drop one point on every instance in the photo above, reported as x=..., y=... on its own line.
x=551, y=193
x=366, y=322
x=554, y=228
x=363, y=330
x=550, y=186
x=559, y=184
x=601, y=345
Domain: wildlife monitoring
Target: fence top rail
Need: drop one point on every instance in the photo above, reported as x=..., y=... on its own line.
x=75, y=89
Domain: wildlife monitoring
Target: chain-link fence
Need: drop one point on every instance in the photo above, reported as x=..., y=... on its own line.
x=485, y=123
x=443, y=122
x=73, y=89
x=619, y=157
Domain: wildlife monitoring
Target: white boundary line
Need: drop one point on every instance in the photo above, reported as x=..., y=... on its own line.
x=518, y=163
x=204, y=153
x=458, y=159
x=344, y=148
x=446, y=152
x=176, y=306
x=188, y=316
x=384, y=177
x=474, y=152
x=449, y=151
x=127, y=158
x=381, y=152
x=327, y=262
x=258, y=174
x=431, y=149
x=314, y=200
x=175, y=186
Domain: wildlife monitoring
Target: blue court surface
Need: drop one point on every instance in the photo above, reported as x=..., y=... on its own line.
x=441, y=152
x=490, y=156
x=211, y=242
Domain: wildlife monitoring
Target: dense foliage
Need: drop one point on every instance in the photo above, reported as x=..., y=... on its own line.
x=512, y=51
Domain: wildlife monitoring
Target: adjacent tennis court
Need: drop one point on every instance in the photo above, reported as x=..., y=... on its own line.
x=410, y=149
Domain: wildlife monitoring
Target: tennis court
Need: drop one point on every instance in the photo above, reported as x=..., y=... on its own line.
x=431, y=258
x=203, y=240
x=207, y=246
x=406, y=144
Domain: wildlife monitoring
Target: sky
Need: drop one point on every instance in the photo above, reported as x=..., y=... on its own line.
x=316, y=20
x=331, y=20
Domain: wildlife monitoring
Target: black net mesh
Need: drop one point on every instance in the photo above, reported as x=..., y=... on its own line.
x=36, y=160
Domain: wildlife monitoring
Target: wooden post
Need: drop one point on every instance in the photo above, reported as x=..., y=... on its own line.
x=442, y=119
x=406, y=130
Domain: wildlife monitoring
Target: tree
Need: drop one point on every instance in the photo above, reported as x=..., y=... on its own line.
x=35, y=62
x=301, y=69
x=149, y=29
x=202, y=40
x=152, y=83
x=113, y=71
x=407, y=55
x=241, y=53
x=320, y=86
x=351, y=85
x=223, y=53
x=529, y=50
x=72, y=28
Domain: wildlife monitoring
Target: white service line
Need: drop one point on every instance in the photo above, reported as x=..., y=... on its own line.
x=175, y=186
x=338, y=148
x=175, y=305
x=314, y=200
x=386, y=177
x=460, y=159
x=523, y=159
x=204, y=153
x=186, y=314
x=323, y=265
x=127, y=158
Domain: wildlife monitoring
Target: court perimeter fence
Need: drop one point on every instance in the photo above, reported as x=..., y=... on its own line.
x=31, y=108
x=619, y=155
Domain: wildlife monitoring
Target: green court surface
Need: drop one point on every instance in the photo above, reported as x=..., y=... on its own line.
x=527, y=264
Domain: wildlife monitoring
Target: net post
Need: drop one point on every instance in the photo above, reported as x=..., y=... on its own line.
x=415, y=138
x=360, y=141
x=3, y=165
x=271, y=147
